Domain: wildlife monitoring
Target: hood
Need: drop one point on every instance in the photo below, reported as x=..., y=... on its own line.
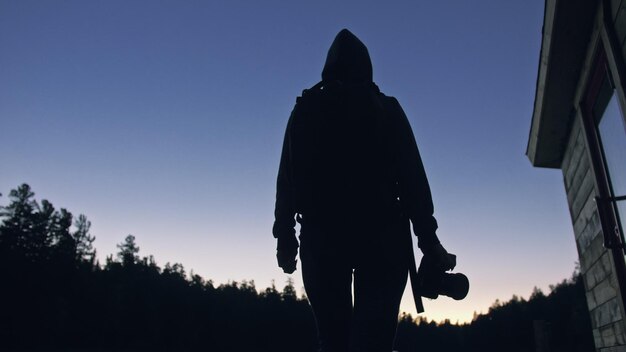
x=347, y=60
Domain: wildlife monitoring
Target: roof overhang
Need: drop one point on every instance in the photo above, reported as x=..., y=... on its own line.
x=567, y=28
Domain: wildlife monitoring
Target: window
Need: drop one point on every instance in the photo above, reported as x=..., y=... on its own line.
x=606, y=132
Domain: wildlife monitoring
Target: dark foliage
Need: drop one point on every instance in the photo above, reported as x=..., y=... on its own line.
x=55, y=296
x=509, y=326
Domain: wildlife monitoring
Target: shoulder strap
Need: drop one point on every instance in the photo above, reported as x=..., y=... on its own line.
x=317, y=86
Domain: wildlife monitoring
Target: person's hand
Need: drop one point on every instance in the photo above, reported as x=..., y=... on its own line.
x=440, y=257
x=286, y=252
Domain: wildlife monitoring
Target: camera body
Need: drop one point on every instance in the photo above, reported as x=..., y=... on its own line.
x=433, y=280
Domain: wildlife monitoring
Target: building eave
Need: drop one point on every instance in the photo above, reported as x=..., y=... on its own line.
x=566, y=31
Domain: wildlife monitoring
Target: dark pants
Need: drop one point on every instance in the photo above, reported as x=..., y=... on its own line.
x=376, y=256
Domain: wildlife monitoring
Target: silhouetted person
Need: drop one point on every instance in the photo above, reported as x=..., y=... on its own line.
x=351, y=173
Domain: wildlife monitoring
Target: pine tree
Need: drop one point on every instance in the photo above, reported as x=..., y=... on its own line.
x=84, y=240
x=18, y=223
x=128, y=251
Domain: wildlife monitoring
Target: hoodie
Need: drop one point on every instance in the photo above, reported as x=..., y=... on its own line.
x=348, y=68
x=347, y=60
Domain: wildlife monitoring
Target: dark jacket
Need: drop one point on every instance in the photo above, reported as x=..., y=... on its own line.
x=349, y=152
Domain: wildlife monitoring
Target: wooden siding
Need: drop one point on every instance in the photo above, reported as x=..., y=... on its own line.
x=613, y=349
x=618, y=11
x=596, y=263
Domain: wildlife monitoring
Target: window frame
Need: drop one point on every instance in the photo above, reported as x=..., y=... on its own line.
x=612, y=228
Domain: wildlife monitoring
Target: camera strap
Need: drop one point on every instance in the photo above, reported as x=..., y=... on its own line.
x=415, y=287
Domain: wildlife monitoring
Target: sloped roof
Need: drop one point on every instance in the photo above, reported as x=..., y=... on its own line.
x=567, y=28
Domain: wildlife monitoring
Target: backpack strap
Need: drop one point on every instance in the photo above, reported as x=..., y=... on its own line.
x=322, y=83
x=317, y=86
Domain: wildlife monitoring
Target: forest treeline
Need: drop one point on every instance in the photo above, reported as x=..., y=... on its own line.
x=55, y=295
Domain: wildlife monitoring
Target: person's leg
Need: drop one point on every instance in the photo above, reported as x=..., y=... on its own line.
x=377, y=298
x=327, y=281
x=379, y=282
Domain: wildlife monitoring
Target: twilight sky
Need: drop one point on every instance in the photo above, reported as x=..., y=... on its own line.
x=164, y=119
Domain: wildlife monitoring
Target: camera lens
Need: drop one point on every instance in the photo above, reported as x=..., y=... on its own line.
x=455, y=286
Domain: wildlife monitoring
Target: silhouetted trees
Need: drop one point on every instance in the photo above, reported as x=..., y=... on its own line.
x=509, y=326
x=54, y=295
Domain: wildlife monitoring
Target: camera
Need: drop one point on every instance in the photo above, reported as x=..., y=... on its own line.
x=433, y=279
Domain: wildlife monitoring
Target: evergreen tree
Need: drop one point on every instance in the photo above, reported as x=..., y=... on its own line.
x=18, y=224
x=128, y=251
x=289, y=291
x=84, y=240
x=63, y=243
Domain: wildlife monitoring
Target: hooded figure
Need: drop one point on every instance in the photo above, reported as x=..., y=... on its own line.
x=351, y=174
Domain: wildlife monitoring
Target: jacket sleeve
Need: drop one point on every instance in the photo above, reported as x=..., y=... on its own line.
x=413, y=187
x=284, y=211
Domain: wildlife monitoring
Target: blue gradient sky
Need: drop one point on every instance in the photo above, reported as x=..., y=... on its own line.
x=164, y=119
